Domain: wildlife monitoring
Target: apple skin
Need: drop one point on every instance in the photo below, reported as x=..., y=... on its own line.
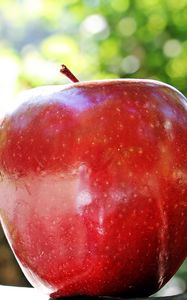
x=93, y=190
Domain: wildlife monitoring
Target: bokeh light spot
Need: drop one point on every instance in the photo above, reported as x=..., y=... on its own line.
x=156, y=23
x=177, y=68
x=127, y=26
x=172, y=48
x=130, y=64
x=120, y=5
x=95, y=24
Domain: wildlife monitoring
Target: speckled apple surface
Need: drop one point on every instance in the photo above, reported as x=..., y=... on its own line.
x=93, y=189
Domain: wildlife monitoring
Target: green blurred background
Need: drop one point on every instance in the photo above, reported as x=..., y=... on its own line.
x=97, y=39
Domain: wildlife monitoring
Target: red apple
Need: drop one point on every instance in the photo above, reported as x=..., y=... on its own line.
x=93, y=189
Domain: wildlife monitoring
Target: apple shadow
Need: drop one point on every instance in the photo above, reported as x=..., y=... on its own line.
x=174, y=297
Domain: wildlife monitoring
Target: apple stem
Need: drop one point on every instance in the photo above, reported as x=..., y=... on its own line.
x=64, y=70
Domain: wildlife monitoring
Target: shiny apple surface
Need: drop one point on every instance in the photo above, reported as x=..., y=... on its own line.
x=93, y=189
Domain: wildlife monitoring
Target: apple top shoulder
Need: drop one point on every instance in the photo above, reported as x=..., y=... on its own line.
x=65, y=93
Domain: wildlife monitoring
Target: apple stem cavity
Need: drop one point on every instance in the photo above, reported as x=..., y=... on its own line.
x=64, y=70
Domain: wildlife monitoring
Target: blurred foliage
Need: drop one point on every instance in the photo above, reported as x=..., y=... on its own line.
x=97, y=39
